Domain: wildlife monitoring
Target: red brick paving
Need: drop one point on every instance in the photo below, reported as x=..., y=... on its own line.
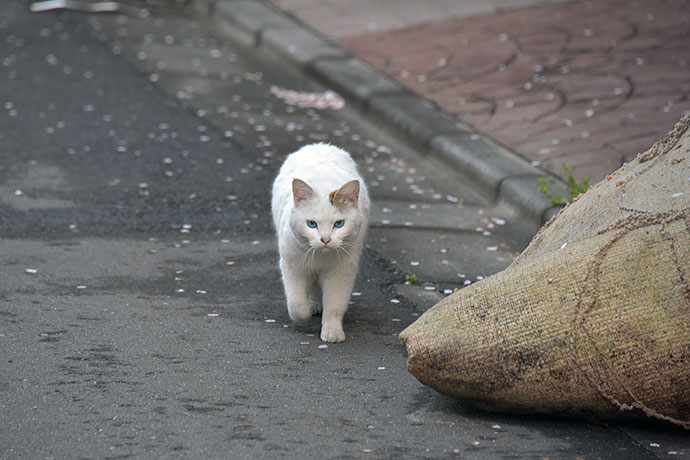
x=589, y=84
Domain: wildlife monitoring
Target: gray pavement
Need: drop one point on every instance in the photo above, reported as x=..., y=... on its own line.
x=141, y=310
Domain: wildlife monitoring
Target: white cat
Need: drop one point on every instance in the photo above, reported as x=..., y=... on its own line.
x=321, y=212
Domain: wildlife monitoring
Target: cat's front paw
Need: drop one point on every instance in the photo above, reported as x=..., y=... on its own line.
x=332, y=334
x=299, y=311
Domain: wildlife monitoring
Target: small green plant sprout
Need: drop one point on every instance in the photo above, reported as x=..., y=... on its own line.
x=574, y=186
x=411, y=279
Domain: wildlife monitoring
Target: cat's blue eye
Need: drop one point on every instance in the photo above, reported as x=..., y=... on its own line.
x=311, y=224
x=339, y=223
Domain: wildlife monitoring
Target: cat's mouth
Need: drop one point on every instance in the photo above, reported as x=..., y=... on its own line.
x=327, y=248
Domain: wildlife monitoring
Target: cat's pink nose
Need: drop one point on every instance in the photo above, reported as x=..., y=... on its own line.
x=325, y=240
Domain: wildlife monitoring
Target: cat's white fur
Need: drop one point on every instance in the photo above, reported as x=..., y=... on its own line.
x=320, y=183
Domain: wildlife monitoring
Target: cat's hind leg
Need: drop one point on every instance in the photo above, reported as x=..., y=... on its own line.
x=315, y=304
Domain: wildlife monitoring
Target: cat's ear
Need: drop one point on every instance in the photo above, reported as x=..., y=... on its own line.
x=301, y=191
x=347, y=195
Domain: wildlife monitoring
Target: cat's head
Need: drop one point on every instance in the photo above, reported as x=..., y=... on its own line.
x=331, y=221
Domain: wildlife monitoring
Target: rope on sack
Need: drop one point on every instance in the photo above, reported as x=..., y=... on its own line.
x=625, y=225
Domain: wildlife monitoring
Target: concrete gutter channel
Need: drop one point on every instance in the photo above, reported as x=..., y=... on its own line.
x=493, y=169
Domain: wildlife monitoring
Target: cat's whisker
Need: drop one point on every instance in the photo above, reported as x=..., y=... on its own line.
x=309, y=261
x=342, y=249
x=304, y=260
x=348, y=245
x=312, y=260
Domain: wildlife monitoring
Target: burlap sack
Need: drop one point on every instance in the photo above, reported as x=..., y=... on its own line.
x=593, y=318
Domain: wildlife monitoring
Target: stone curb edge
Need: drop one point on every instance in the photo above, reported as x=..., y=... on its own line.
x=498, y=172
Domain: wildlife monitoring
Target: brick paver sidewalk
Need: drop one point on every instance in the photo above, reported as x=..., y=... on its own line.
x=589, y=84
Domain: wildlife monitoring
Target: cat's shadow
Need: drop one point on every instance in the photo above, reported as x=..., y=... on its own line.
x=311, y=326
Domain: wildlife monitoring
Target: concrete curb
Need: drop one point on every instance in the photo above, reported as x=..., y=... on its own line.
x=498, y=172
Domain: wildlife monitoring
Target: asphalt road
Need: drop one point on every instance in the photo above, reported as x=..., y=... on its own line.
x=141, y=309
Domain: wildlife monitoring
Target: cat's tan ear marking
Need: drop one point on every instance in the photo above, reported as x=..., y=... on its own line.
x=347, y=195
x=301, y=190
